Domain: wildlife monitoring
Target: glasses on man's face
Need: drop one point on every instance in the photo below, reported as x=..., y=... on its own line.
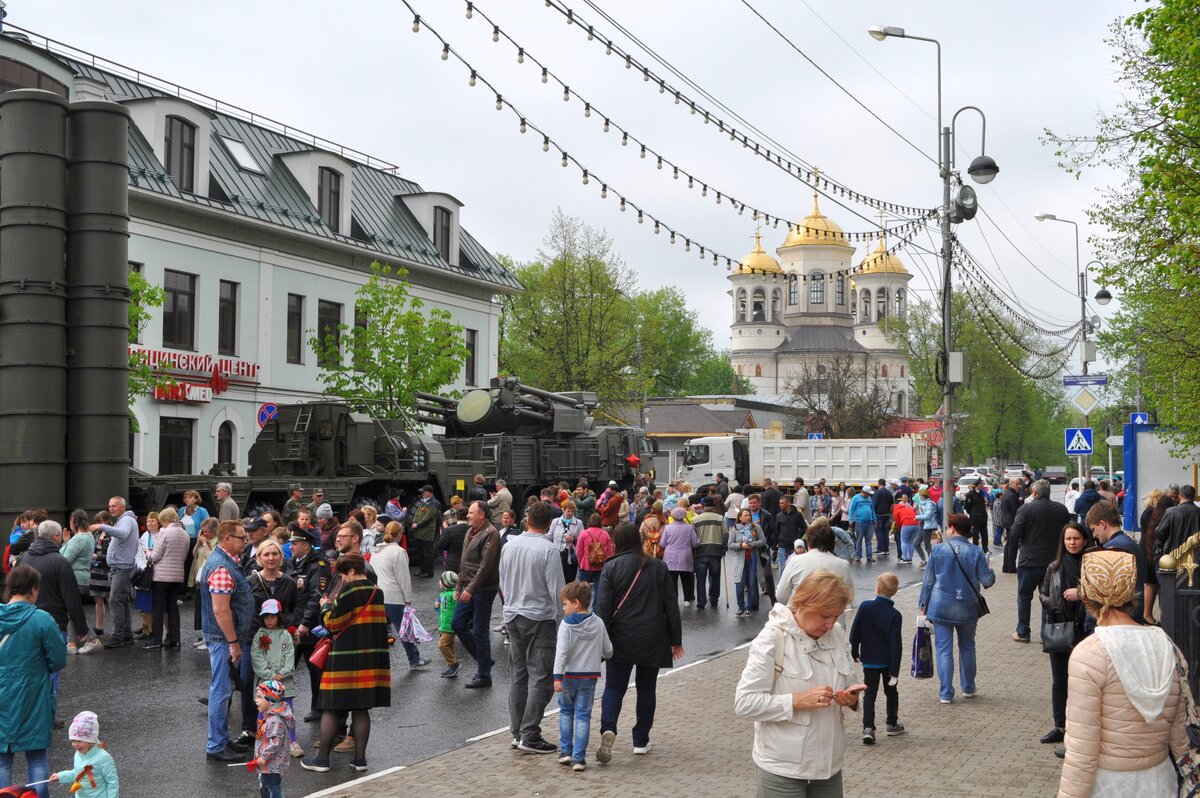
x=239, y=537
x=343, y=537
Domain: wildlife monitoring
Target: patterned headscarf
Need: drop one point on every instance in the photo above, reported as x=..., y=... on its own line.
x=1108, y=578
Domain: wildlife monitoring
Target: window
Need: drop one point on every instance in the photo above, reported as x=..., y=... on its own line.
x=901, y=370
x=741, y=304
x=881, y=304
x=179, y=310
x=758, y=305
x=472, y=343
x=15, y=75
x=225, y=442
x=757, y=369
x=295, y=328
x=329, y=196
x=241, y=155
x=793, y=290
x=227, y=320
x=175, y=445
x=775, y=305
x=866, y=306
x=900, y=309
x=816, y=289
x=441, y=231
x=883, y=370
x=329, y=320
x=839, y=296
x=181, y=153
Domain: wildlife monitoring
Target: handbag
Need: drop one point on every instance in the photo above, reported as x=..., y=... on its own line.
x=1059, y=637
x=922, y=653
x=980, y=602
x=320, y=654
x=411, y=629
x=143, y=578
x=1187, y=766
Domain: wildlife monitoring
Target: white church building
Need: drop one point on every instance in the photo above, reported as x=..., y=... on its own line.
x=795, y=315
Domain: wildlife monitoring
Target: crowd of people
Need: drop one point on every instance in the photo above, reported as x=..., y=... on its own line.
x=591, y=586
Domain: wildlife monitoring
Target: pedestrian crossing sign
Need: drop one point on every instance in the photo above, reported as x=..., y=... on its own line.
x=1078, y=440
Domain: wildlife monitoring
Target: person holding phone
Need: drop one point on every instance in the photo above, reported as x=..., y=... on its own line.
x=797, y=683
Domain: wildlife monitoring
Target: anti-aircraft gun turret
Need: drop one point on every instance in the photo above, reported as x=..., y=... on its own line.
x=510, y=406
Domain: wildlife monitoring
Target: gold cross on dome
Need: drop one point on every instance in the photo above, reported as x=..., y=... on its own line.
x=882, y=229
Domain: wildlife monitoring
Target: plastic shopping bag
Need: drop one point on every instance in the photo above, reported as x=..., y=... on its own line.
x=411, y=630
x=922, y=653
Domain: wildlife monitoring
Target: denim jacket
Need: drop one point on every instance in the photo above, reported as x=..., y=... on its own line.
x=928, y=514
x=946, y=594
x=241, y=602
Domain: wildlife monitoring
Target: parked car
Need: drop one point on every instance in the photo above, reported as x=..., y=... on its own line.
x=1055, y=475
x=1014, y=470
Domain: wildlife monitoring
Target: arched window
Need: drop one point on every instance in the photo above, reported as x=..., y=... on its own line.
x=816, y=288
x=900, y=308
x=881, y=304
x=865, y=313
x=775, y=301
x=840, y=291
x=225, y=442
x=758, y=370
x=854, y=312
x=793, y=290
x=758, y=305
x=901, y=370
x=741, y=304
x=739, y=369
x=883, y=370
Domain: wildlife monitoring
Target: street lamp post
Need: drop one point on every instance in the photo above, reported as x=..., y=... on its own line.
x=982, y=170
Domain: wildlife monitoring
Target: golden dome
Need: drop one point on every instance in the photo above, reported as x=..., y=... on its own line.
x=758, y=261
x=880, y=262
x=816, y=228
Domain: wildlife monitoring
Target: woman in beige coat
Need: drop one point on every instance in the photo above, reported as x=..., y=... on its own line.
x=1123, y=698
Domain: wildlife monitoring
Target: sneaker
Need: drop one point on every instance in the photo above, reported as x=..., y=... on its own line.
x=687, y=603
x=358, y=764
x=895, y=729
x=740, y=613
x=296, y=750
x=71, y=648
x=536, y=745
x=579, y=767
x=114, y=643
x=452, y=671
x=970, y=694
x=245, y=739
x=1061, y=753
x=1055, y=735
x=946, y=700
x=921, y=566
x=89, y=646
x=604, y=752
x=870, y=559
x=500, y=628
x=565, y=759
x=346, y=745
x=1020, y=638
x=419, y=664
x=868, y=736
x=315, y=764
x=643, y=749
x=200, y=644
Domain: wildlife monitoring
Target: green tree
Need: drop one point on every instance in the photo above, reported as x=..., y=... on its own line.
x=143, y=378
x=395, y=346
x=712, y=374
x=1152, y=139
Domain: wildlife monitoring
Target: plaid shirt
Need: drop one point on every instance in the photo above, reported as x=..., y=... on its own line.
x=221, y=582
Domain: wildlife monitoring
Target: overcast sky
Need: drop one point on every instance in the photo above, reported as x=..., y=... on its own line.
x=355, y=73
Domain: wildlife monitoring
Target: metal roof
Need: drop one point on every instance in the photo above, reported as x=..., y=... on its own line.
x=382, y=225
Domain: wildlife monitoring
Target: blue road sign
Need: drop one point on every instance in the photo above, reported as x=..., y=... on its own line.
x=1078, y=440
x=267, y=412
x=816, y=436
x=1139, y=418
x=1075, y=380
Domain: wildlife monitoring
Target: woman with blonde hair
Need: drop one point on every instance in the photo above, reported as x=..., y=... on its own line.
x=798, y=680
x=168, y=558
x=1156, y=505
x=1125, y=706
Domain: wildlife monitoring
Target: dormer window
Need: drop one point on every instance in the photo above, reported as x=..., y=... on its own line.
x=441, y=231
x=329, y=196
x=180, y=149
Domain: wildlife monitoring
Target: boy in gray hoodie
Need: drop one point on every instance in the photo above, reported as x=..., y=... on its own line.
x=582, y=644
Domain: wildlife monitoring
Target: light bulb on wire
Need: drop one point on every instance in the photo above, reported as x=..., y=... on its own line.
x=417, y=24
x=471, y=80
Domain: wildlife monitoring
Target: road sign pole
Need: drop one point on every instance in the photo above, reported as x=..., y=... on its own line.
x=1087, y=422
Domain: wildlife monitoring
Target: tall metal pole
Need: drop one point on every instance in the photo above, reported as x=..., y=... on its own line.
x=947, y=330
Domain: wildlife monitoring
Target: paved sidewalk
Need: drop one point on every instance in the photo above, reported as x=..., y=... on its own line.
x=986, y=747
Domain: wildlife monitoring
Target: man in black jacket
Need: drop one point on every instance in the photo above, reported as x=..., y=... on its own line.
x=882, y=501
x=770, y=497
x=1035, y=533
x=791, y=526
x=58, y=593
x=1180, y=522
x=975, y=503
x=1009, y=503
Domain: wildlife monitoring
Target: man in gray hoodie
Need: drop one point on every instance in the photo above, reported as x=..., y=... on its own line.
x=122, y=555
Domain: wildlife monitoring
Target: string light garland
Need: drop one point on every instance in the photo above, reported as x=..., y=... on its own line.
x=644, y=149
x=968, y=261
x=1056, y=368
x=795, y=168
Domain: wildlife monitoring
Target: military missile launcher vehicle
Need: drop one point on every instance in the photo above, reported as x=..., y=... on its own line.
x=511, y=431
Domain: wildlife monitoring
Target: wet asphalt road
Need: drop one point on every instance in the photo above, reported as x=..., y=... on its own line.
x=155, y=728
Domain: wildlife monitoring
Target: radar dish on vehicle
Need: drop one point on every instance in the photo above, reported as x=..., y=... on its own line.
x=474, y=406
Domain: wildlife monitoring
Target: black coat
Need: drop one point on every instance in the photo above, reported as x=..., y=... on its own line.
x=58, y=591
x=975, y=504
x=1177, y=525
x=451, y=541
x=1036, y=532
x=282, y=590
x=648, y=624
x=312, y=578
x=791, y=526
x=770, y=500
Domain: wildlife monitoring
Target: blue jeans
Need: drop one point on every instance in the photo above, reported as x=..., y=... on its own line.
x=575, y=717
x=1029, y=579
x=908, y=536
x=471, y=624
x=883, y=527
x=56, y=677
x=395, y=614
x=37, y=765
x=708, y=568
x=220, y=689
x=784, y=553
x=746, y=589
x=996, y=538
x=591, y=577
x=862, y=538
x=270, y=785
x=616, y=682
x=943, y=641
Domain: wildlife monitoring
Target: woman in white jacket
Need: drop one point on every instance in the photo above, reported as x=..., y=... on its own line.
x=797, y=682
x=390, y=562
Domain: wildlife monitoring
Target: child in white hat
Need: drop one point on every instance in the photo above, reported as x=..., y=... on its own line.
x=273, y=655
x=93, y=771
